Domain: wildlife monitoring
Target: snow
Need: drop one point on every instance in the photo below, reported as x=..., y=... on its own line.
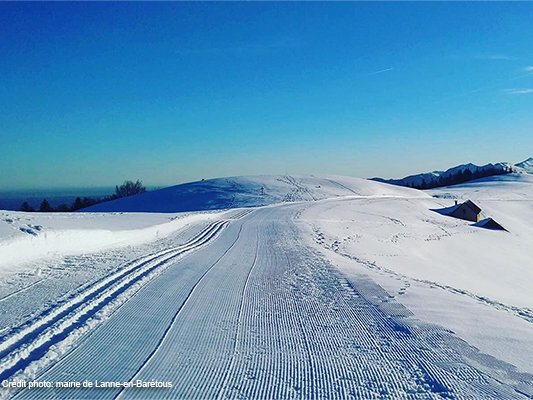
x=96, y=301
x=404, y=244
x=245, y=191
x=526, y=165
x=335, y=287
x=253, y=313
x=27, y=237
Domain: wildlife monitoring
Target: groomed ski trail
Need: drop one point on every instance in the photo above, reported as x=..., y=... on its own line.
x=26, y=349
x=258, y=315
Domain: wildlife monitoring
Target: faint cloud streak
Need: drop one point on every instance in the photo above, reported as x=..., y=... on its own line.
x=491, y=87
x=495, y=57
x=517, y=91
x=376, y=72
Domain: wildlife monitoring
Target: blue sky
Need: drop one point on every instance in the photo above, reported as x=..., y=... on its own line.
x=95, y=93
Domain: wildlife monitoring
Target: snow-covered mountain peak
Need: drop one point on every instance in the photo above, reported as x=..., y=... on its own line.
x=526, y=165
x=458, y=174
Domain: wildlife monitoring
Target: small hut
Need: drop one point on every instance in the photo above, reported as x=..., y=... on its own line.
x=468, y=211
x=489, y=223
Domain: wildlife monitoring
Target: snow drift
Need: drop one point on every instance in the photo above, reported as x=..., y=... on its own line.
x=26, y=237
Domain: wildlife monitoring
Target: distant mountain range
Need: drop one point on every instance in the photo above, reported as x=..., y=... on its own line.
x=459, y=174
x=526, y=166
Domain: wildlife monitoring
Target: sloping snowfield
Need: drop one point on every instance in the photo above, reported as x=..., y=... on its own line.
x=251, y=191
x=474, y=281
x=352, y=297
x=26, y=237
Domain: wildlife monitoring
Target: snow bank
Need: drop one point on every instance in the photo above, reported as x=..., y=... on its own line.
x=33, y=236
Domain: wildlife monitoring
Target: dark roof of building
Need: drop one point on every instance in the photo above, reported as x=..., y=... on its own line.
x=472, y=206
x=453, y=209
x=489, y=223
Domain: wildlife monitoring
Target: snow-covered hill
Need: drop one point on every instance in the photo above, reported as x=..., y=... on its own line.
x=446, y=270
x=29, y=236
x=517, y=186
x=431, y=179
x=250, y=191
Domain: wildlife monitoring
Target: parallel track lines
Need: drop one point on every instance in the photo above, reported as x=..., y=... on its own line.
x=32, y=342
x=200, y=345
x=165, y=334
x=275, y=321
x=307, y=335
x=237, y=333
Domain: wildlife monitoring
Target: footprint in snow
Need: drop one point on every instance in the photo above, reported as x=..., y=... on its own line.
x=28, y=231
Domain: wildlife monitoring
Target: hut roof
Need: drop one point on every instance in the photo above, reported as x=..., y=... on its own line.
x=489, y=223
x=472, y=206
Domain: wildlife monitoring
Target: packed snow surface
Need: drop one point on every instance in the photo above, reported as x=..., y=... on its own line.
x=365, y=293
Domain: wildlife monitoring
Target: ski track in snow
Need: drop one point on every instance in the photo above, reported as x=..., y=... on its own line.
x=299, y=192
x=10, y=295
x=342, y=186
x=257, y=315
x=165, y=335
x=31, y=342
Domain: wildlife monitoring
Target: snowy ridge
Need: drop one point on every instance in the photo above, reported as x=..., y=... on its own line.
x=32, y=343
x=250, y=191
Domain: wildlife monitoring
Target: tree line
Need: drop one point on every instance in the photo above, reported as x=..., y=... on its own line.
x=128, y=188
x=461, y=177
